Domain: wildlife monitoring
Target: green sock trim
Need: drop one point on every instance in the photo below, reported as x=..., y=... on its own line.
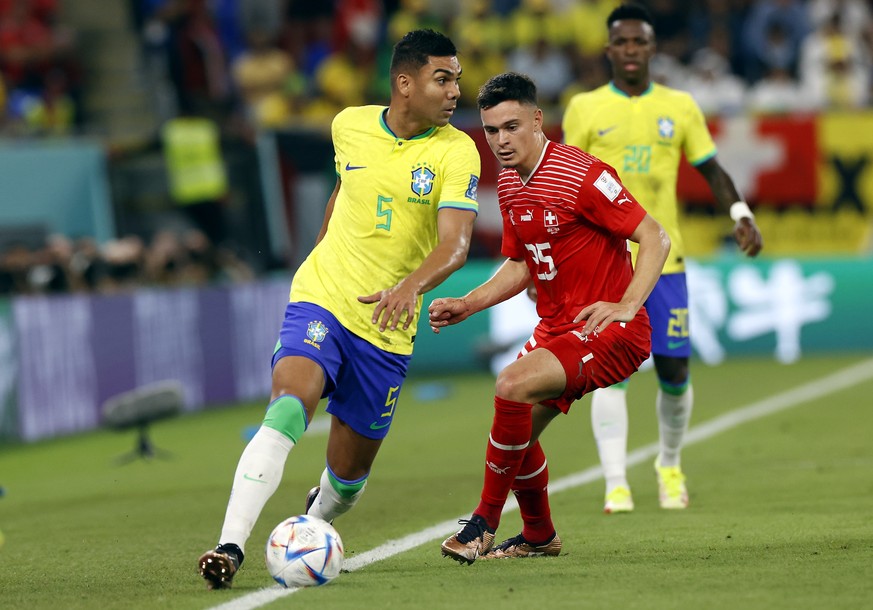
x=287, y=415
x=345, y=488
x=621, y=385
x=674, y=390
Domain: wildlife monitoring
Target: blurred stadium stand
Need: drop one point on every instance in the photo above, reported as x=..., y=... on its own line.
x=88, y=87
x=271, y=74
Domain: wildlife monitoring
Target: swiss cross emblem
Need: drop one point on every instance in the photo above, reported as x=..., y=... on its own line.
x=551, y=219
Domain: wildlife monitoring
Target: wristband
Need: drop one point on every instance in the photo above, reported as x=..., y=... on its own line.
x=740, y=210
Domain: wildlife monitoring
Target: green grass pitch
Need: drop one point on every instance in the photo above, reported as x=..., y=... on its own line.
x=781, y=511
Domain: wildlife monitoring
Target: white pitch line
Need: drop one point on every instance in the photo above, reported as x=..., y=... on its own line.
x=812, y=390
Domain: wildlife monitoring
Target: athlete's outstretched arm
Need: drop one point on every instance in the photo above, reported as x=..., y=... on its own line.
x=746, y=232
x=455, y=229
x=328, y=212
x=654, y=248
x=512, y=277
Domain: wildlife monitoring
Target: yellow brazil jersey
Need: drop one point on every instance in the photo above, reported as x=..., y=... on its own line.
x=643, y=138
x=384, y=221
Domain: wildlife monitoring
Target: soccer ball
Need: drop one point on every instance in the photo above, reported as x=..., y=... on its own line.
x=304, y=551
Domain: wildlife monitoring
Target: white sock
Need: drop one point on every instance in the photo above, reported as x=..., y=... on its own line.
x=674, y=414
x=609, y=423
x=257, y=477
x=329, y=504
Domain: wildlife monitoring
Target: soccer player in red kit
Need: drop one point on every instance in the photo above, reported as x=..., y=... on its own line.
x=566, y=219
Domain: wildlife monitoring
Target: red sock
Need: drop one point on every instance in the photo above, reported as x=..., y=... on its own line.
x=510, y=435
x=531, y=490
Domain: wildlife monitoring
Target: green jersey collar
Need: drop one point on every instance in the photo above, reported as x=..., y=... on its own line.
x=618, y=91
x=387, y=129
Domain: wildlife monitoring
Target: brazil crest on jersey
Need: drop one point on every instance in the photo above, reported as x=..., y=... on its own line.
x=384, y=221
x=643, y=138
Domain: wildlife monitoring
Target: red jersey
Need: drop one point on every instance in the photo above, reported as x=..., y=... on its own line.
x=570, y=222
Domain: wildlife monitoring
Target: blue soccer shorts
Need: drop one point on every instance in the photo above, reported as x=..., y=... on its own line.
x=362, y=382
x=668, y=314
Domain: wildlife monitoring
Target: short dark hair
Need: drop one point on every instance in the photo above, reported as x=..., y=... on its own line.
x=509, y=86
x=630, y=10
x=413, y=50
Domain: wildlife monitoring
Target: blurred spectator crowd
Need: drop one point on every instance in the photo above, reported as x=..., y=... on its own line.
x=39, y=74
x=63, y=265
x=291, y=62
x=248, y=65
x=279, y=63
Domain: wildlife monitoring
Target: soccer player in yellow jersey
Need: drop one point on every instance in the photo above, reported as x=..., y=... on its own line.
x=642, y=128
x=398, y=223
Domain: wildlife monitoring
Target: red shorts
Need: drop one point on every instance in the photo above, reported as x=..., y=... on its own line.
x=597, y=361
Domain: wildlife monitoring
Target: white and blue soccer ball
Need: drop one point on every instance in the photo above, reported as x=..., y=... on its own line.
x=304, y=551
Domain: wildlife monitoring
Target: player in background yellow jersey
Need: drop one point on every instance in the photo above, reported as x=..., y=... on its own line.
x=398, y=223
x=642, y=128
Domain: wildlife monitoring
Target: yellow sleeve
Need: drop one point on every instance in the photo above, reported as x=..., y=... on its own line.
x=461, y=165
x=335, y=135
x=698, y=145
x=576, y=132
